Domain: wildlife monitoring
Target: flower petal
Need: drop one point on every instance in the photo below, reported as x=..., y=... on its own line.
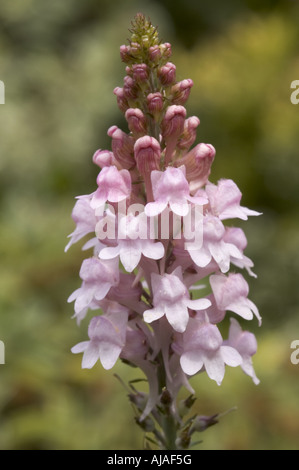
x=192, y=362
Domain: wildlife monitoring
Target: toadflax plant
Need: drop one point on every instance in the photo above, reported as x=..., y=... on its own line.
x=158, y=234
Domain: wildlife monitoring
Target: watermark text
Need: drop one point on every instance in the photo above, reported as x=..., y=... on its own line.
x=295, y=354
x=2, y=92
x=2, y=352
x=295, y=94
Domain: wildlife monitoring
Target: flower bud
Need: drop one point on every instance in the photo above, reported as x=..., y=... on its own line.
x=125, y=54
x=201, y=423
x=166, y=74
x=140, y=72
x=136, y=121
x=103, y=158
x=135, y=49
x=166, y=398
x=121, y=99
x=189, y=134
x=165, y=50
x=173, y=122
x=198, y=164
x=180, y=91
x=147, y=153
x=154, y=54
x=155, y=104
x=130, y=88
x=122, y=147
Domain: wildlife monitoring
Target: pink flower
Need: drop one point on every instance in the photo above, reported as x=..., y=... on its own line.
x=113, y=185
x=171, y=298
x=84, y=217
x=231, y=293
x=107, y=335
x=213, y=246
x=236, y=236
x=225, y=200
x=203, y=347
x=130, y=248
x=245, y=343
x=98, y=277
x=171, y=188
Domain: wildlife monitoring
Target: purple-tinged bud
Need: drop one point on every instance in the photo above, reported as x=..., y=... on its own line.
x=125, y=53
x=154, y=54
x=155, y=104
x=135, y=49
x=166, y=50
x=189, y=134
x=140, y=72
x=147, y=153
x=103, y=158
x=198, y=164
x=121, y=99
x=201, y=423
x=172, y=128
x=173, y=122
x=167, y=73
x=122, y=147
x=136, y=121
x=130, y=88
x=180, y=91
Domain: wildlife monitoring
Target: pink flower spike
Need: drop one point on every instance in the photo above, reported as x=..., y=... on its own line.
x=107, y=335
x=113, y=185
x=171, y=298
x=245, y=343
x=225, y=200
x=171, y=188
x=98, y=277
x=231, y=293
x=203, y=347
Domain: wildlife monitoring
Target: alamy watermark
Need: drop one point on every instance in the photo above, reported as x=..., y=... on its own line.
x=295, y=94
x=2, y=352
x=295, y=354
x=2, y=92
x=132, y=223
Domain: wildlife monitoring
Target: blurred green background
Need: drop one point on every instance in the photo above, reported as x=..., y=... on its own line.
x=60, y=62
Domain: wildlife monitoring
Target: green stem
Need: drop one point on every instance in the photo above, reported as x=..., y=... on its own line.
x=170, y=432
x=168, y=422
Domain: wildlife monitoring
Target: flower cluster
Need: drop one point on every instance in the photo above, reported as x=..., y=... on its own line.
x=143, y=285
